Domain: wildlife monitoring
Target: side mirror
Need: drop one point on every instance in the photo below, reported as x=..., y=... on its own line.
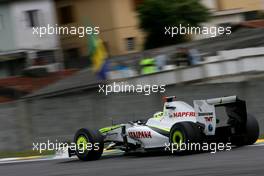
x=170, y=107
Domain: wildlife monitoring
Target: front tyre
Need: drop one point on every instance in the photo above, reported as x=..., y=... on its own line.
x=89, y=144
x=184, y=133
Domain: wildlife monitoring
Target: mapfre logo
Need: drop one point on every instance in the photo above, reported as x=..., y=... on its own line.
x=182, y=114
x=140, y=134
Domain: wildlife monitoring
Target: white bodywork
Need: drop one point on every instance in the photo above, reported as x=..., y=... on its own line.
x=148, y=136
x=182, y=112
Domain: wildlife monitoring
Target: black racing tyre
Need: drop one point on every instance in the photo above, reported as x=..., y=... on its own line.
x=89, y=144
x=252, y=130
x=251, y=133
x=186, y=133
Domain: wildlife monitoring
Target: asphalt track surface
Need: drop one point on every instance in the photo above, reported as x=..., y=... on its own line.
x=244, y=161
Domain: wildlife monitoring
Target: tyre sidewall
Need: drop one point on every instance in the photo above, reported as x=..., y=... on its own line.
x=93, y=137
x=191, y=132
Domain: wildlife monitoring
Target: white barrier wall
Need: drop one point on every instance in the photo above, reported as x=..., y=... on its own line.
x=232, y=54
x=234, y=62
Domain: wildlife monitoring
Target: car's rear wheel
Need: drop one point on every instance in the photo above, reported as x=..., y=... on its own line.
x=89, y=144
x=184, y=133
x=251, y=133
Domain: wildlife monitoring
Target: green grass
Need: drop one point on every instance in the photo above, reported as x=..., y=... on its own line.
x=12, y=154
x=261, y=136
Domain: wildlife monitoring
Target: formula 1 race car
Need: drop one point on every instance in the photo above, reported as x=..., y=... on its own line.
x=178, y=123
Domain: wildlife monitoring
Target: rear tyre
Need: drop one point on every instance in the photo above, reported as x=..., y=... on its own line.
x=184, y=133
x=251, y=133
x=89, y=144
x=252, y=130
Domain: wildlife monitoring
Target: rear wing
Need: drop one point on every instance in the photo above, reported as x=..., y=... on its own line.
x=235, y=109
x=222, y=100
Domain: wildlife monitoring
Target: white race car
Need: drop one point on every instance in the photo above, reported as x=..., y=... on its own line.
x=178, y=123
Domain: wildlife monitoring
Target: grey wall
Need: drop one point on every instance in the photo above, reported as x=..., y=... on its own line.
x=8, y=125
x=59, y=117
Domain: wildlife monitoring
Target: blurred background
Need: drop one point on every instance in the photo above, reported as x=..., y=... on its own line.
x=49, y=84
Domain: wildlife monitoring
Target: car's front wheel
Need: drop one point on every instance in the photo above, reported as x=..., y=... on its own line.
x=89, y=144
x=183, y=134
